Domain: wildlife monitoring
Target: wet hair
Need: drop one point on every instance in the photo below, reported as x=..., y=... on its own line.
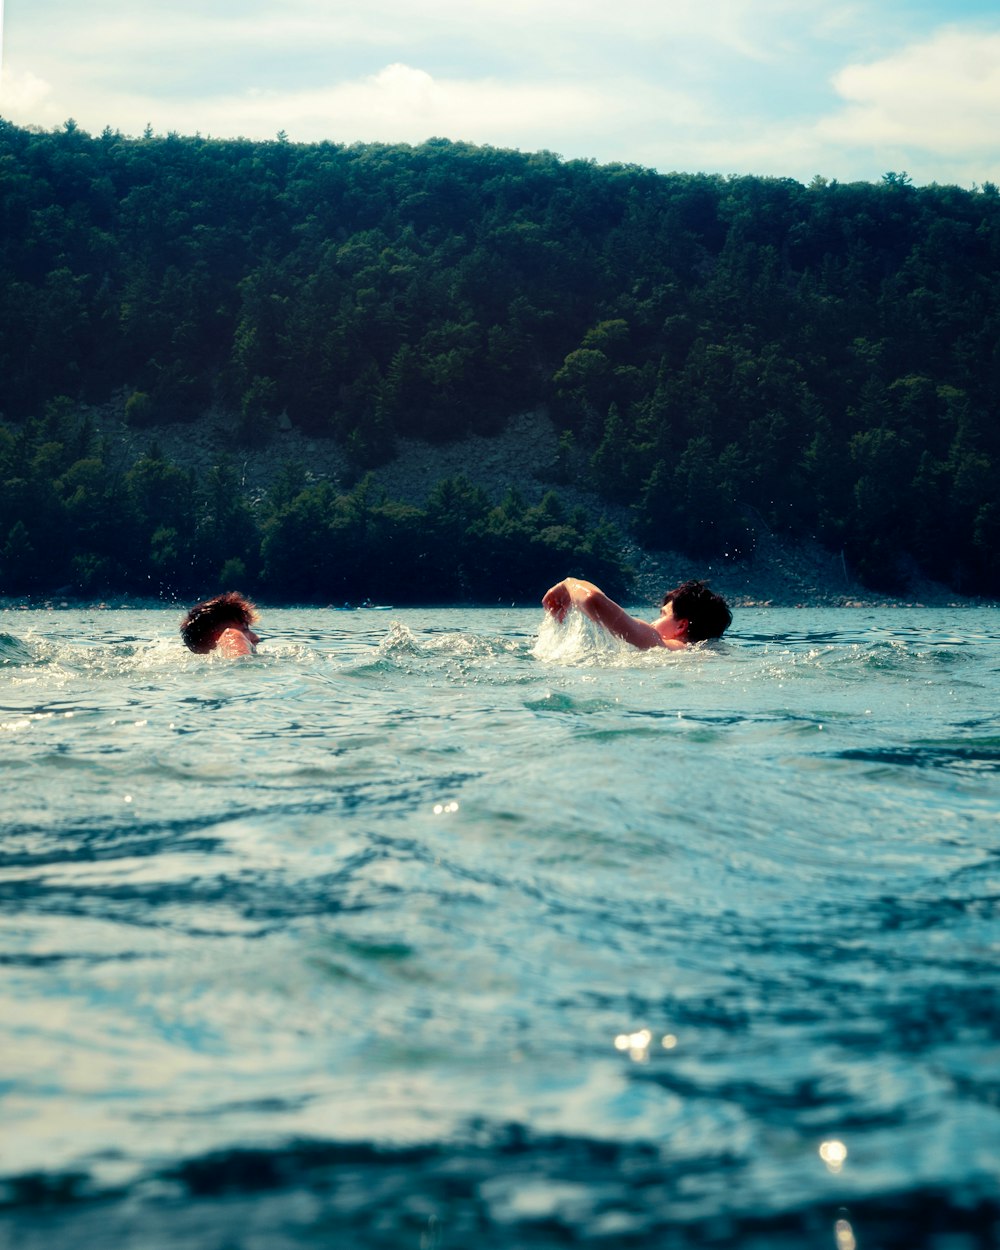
x=707, y=614
x=205, y=621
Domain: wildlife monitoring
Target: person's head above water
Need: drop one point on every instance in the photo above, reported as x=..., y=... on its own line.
x=222, y=622
x=707, y=614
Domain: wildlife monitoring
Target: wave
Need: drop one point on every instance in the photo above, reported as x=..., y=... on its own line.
x=968, y=758
x=496, y=1187
x=454, y=656
x=58, y=663
x=853, y=661
x=576, y=642
x=401, y=641
x=15, y=652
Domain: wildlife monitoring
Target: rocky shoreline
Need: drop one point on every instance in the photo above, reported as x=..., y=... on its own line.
x=526, y=456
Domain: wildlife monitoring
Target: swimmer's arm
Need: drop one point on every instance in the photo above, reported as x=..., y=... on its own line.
x=234, y=644
x=593, y=602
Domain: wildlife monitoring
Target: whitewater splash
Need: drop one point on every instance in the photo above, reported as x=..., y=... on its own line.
x=578, y=640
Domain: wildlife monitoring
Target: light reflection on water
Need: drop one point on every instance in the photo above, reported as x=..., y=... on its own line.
x=727, y=918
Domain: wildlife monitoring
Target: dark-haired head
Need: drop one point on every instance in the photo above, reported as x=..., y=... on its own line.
x=202, y=626
x=707, y=614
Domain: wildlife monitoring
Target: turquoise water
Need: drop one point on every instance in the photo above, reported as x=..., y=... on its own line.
x=457, y=928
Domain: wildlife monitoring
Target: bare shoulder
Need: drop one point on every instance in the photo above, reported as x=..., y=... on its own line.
x=234, y=643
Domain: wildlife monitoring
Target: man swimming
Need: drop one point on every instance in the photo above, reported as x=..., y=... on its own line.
x=690, y=613
x=221, y=624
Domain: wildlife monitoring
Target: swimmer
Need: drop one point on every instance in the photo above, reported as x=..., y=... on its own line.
x=221, y=624
x=690, y=613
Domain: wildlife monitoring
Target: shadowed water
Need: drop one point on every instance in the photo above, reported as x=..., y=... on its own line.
x=451, y=928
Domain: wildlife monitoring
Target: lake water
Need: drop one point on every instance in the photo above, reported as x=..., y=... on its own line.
x=459, y=929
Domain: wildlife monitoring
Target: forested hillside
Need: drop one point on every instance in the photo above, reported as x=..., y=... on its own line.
x=724, y=354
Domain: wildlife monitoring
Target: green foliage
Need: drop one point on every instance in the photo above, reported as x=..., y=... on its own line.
x=71, y=522
x=234, y=573
x=18, y=560
x=139, y=409
x=720, y=353
x=257, y=412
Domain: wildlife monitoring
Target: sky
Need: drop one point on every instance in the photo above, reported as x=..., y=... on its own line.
x=787, y=88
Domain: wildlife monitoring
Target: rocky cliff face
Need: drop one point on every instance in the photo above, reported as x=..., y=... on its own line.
x=525, y=456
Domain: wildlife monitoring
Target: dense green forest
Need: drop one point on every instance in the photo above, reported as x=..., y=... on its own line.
x=722, y=354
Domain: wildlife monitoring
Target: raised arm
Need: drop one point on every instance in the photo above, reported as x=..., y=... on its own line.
x=593, y=602
x=235, y=643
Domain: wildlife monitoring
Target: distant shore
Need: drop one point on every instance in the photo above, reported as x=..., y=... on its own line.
x=525, y=456
x=782, y=577
x=789, y=575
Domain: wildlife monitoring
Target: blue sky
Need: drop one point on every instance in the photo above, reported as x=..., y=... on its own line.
x=790, y=88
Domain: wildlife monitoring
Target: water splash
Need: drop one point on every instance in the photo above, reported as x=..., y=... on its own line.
x=576, y=640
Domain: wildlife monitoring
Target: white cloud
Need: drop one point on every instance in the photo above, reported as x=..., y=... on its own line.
x=511, y=72
x=749, y=86
x=399, y=102
x=932, y=108
x=91, y=46
x=26, y=98
x=934, y=96
x=402, y=103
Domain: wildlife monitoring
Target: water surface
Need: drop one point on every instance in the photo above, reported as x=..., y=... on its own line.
x=458, y=928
